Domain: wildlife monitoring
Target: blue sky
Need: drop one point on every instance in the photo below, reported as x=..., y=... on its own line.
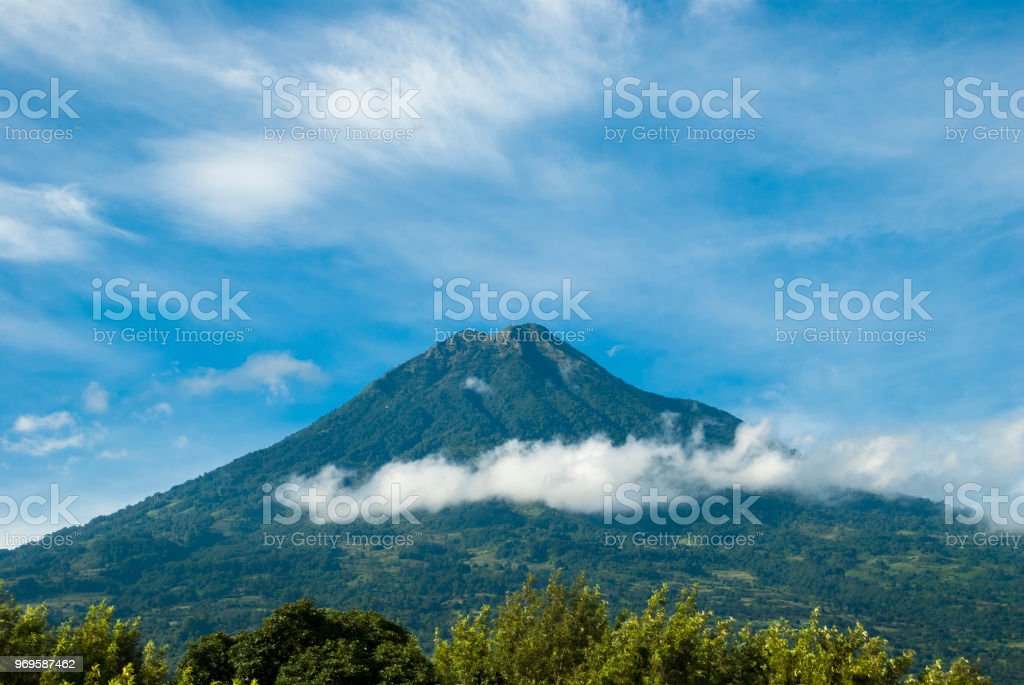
x=508, y=179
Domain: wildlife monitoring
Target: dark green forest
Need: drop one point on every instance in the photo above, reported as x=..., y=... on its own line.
x=561, y=634
x=881, y=562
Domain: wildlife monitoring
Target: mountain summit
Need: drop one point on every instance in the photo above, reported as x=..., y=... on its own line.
x=475, y=391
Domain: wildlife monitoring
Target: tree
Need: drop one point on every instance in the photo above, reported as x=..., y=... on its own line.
x=111, y=649
x=561, y=635
x=536, y=638
x=206, y=660
x=960, y=673
x=300, y=643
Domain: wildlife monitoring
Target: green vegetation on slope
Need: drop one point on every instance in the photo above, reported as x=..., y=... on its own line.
x=193, y=560
x=560, y=635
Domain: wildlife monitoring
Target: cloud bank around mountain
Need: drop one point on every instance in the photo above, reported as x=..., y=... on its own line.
x=574, y=476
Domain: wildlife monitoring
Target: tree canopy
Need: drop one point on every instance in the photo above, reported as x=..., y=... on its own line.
x=556, y=635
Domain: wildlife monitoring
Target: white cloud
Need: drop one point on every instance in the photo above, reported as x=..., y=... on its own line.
x=32, y=423
x=475, y=90
x=160, y=410
x=40, y=435
x=180, y=442
x=40, y=446
x=920, y=460
x=236, y=182
x=270, y=372
x=23, y=242
x=477, y=385
x=115, y=39
x=573, y=476
x=47, y=224
x=475, y=95
x=95, y=398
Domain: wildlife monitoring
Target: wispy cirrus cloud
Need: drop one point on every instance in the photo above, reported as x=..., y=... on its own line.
x=113, y=39
x=48, y=223
x=473, y=98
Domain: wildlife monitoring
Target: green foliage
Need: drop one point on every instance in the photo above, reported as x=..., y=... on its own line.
x=560, y=637
x=466, y=659
x=301, y=644
x=536, y=637
x=111, y=649
x=959, y=673
x=207, y=660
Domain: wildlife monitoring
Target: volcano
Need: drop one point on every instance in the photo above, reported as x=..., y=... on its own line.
x=199, y=557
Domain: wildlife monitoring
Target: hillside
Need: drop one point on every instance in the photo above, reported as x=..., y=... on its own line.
x=194, y=559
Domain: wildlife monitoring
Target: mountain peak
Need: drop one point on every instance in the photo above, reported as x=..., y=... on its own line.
x=512, y=335
x=472, y=348
x=477, y=390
